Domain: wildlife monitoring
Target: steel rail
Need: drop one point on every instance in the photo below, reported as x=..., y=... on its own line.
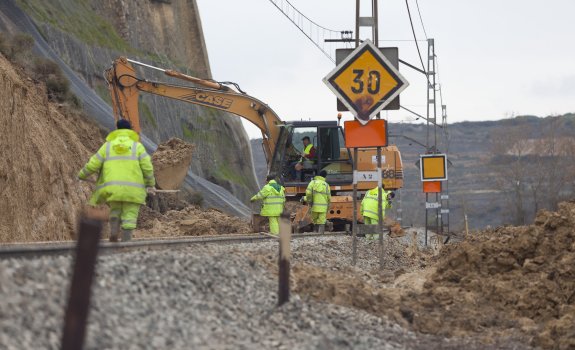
x=26, y=250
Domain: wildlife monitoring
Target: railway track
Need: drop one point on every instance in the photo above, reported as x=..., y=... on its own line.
x=24, y=250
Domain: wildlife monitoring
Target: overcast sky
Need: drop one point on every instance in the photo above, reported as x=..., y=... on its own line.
x=496, y=58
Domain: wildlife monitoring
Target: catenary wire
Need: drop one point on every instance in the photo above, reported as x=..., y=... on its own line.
x=421, y=18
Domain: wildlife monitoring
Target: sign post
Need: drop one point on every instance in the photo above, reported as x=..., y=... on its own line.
x=366, y=82
x=354, y=227
x=433, y=171
x=373, y=134
x=380, y=209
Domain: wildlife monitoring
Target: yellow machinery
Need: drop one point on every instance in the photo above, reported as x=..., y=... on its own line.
x=281, y=139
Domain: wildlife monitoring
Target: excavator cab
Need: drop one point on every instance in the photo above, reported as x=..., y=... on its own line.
x=329, y=154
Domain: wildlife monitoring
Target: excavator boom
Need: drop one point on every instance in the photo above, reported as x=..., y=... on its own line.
x=125, y=87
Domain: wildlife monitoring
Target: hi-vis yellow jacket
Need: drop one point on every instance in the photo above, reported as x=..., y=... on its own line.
x=273, y=196
x=318, y=194
x=369, y=204
x=307, y=152
x=124, y=167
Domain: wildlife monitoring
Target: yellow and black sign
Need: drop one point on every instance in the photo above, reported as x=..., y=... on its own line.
x=365, y=82
x=433, y=167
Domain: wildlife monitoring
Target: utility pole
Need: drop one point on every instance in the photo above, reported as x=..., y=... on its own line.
x=373, y=23
x=431, y=119
x=445, y=185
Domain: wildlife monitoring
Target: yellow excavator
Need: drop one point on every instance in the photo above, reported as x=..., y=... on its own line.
x=281, y=139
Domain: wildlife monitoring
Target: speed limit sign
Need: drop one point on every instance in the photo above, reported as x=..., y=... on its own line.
x=365, y=82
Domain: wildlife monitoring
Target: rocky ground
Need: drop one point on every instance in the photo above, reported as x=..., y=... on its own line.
x=217, y=297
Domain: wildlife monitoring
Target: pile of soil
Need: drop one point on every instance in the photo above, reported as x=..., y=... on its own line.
x=511, y=281
x=44, y=145
x=190, y=221
x=510, y=277
x=171, y=160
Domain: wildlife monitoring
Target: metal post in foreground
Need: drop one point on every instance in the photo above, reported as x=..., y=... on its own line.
x=426, y=223
x=284, y=259
x=354, y=227
x=380, y=207
x=76, y=316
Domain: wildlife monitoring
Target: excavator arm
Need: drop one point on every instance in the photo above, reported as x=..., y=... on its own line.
x=125, y=86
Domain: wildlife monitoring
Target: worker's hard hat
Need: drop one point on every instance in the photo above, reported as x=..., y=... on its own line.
x=123, y=124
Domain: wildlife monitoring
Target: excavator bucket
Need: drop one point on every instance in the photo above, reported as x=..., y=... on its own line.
x=171, y=162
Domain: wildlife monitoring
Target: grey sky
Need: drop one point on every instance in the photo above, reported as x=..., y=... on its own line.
x=496, y=57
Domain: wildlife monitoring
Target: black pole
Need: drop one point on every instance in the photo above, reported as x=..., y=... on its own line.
x=76, y=316
x=284, y=259
x=354, y=227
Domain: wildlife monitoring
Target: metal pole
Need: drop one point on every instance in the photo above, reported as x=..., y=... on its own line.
x=354, y=227
x=357, y=2
x=437, y=214
x=426, y=200
x=78, y=306
x=375, y=23
x=380, y=208
x=447, y=201
x=284, y=259
x=433, y=81
x=428, y=96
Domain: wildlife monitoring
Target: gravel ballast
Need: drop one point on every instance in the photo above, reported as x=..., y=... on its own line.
x=200, y=297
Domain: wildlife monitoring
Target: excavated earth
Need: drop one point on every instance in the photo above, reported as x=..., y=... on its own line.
x=189, y=221
x=171, y=161
x=514, y=283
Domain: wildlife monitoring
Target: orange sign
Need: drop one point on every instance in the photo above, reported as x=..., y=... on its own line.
x=373, y=134
x=432, y=187
x=433, y=167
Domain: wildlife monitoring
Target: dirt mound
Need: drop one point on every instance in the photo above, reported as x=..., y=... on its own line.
x=43, y=148
x=512, y=281
x=171, y=161
x=191, y=221
x=510, y=277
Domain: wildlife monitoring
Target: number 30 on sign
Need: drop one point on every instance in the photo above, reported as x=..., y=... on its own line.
x=365, y=82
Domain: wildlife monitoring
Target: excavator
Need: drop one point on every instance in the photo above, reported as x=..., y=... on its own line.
x=280, y=139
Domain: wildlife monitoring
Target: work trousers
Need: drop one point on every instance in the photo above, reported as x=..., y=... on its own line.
x=318, y=218
x=274, y=225
x=127, y=212
x=370, y=221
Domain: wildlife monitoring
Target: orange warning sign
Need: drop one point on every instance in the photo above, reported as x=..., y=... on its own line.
x=432, y=187
x=372, y=134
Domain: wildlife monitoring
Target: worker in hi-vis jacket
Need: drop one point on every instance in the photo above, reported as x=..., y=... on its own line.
x=125, y=176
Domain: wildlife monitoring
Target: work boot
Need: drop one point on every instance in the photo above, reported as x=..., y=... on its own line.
x=315, y=228
x=321, y=229
x=114, y=229
x=126, y=235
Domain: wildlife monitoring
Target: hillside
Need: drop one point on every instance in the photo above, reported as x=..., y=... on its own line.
x=43, y=147
x=87, y=35
x=482, y=172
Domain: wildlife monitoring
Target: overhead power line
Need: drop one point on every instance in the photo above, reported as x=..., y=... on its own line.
x=316, y=33
x=414, y=35
x=420, y=18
